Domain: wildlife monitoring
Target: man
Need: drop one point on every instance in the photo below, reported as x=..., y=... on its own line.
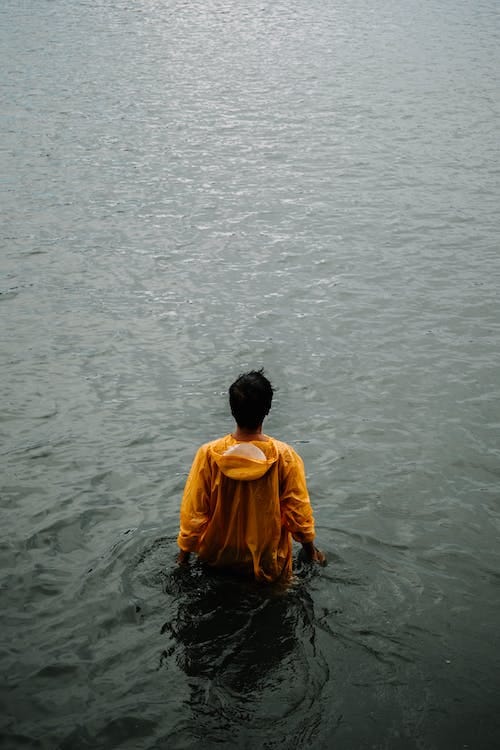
x=246, y=495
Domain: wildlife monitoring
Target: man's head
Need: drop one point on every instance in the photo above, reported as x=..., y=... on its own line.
x=250, y=398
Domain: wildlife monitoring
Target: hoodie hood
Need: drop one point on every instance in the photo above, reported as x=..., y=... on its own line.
x=245, y=461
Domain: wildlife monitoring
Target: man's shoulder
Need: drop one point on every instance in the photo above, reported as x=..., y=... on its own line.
x=217, y=444
x=285, y=451
x=281, y=446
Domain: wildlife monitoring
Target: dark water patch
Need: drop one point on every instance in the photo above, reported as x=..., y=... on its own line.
x=56, y=671
x=116, y=733
x=12, y=740
x=250, y=655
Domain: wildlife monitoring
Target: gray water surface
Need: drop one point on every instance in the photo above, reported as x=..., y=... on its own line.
x=191, y=189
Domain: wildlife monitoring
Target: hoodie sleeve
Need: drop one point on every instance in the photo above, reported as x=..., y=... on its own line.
x=195, y=512
x=296, y=510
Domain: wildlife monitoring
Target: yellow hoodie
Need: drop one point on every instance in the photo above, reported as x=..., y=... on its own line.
x=243, y=503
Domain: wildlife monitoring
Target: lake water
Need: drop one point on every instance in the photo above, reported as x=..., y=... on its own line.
x=191, y=189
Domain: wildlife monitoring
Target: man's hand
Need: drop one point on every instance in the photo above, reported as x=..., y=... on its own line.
x=183, y=557
x=313, y=554
x=319, y=557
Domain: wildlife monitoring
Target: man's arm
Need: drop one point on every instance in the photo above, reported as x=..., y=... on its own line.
x=195, y=510
x=296, y=509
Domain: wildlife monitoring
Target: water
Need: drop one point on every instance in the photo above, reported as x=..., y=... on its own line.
x=190, y=189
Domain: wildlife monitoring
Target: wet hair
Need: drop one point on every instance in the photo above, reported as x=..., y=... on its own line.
x=250, y=398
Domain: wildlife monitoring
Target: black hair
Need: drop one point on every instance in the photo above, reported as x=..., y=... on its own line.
x=250, y=398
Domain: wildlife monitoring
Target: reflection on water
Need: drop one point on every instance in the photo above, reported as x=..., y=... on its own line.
x=250, y=655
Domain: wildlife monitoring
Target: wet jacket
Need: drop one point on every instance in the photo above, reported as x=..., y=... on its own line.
x=242, y=505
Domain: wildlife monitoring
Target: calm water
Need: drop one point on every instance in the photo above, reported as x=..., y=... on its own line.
x=190, y=189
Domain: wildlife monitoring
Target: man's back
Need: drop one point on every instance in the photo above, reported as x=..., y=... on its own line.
x=242, y=502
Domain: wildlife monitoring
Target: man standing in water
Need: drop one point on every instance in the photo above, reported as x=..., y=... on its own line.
x=246, y=496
